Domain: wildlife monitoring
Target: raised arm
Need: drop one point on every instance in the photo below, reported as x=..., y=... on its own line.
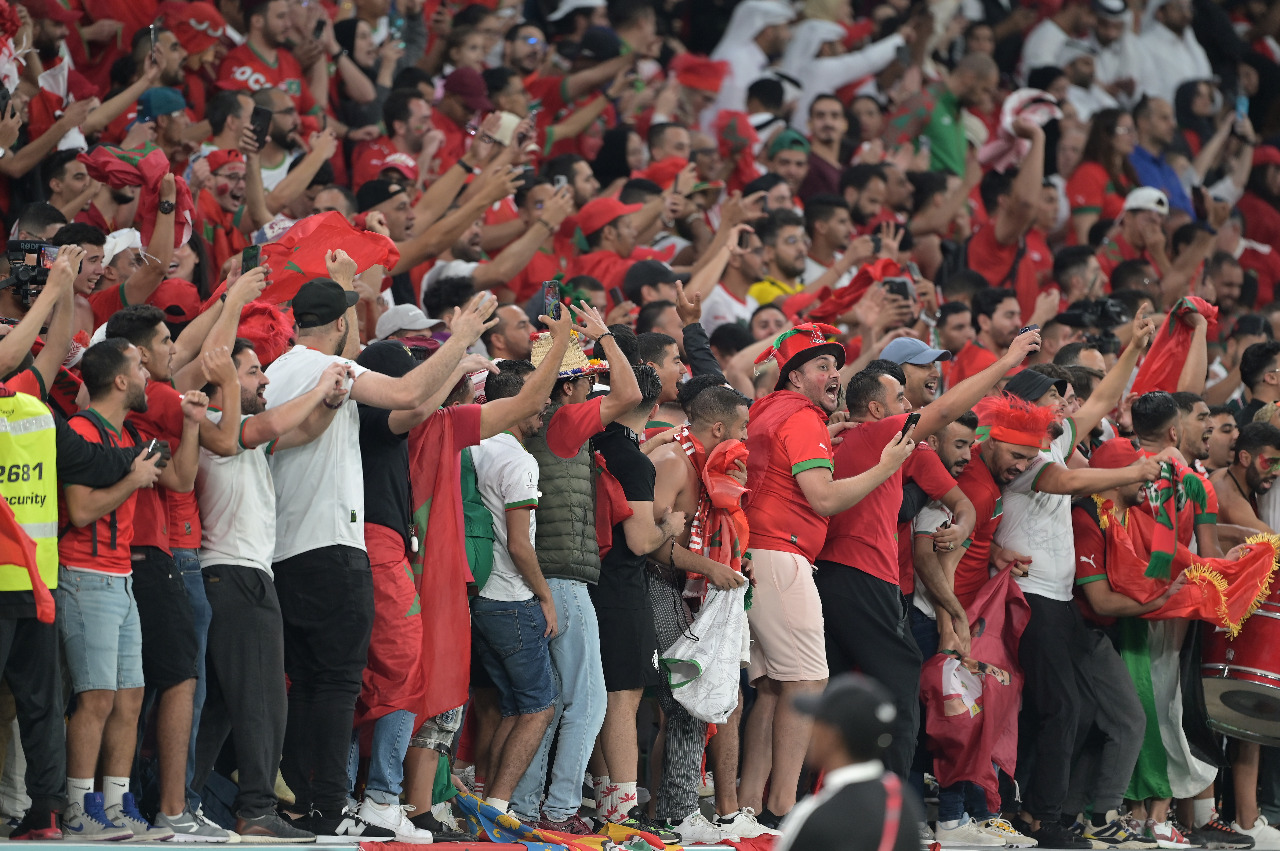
x=624, y=392
x=155, y=268
x=1106, y=396
x=942, y=412
x=500, y=414
x=55, y=300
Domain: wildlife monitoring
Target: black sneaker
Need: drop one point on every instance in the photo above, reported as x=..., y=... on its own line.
x=1054, y=835
x=439, y=833
x=1218, y=834
x=271, y=829
x=342, y=822
x=637, y=820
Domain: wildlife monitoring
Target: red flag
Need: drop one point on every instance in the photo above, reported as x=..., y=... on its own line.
x=1221, y=591
x=435, y=464
x=839, y=302
x=971, y=706
x=1160, y=368
x=298, y=256
x=17, y=548
x=144, y=167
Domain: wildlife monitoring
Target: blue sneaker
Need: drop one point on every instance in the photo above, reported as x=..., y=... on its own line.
x=88, y=822
x=126, y=813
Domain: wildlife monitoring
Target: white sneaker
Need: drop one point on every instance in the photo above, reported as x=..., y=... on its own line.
x=194, y=827
x=1265, y=837
x=968, y=832
x=395, y=818
x=926, y=835
x=1008, y=833
x=443, y=812
x=695, y=829
x=743, y=824
x=1166, y=835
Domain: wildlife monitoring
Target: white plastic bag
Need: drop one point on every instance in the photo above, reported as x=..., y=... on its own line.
x=703, y=664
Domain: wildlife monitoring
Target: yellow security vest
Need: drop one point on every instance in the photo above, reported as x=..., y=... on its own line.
x=29, y=483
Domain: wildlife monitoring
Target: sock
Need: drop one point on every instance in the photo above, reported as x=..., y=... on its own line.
x=1202, y=811
x=478, y=787
x=607, y=802
x=627, y=798
x=113, y=789
x=499, y=804
x=598, y=786
x=77, y=788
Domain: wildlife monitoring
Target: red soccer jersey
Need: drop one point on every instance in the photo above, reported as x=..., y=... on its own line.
x=104, y=544
x=366, y=161
x=778, y=512
x=1092, y=191
x=1261, y=219
x=542, y=266
x=1091, y=561
x=1114, y=252
x=981, y=489
x=862, y=537
x=573, y=425
x=161, y=421
x=245, y=68
x=219, y=229
x=926, y=469
x=455, y=140
x=969, y=361
x=1263, y=261
x=993, y=260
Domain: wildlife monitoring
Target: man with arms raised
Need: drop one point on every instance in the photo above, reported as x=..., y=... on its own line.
x=792, y=493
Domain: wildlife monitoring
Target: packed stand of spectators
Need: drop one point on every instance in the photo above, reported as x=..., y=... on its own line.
x=810, y=425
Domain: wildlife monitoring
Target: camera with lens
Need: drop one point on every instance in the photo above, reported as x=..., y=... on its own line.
x=29, y=264
x=1104, y=314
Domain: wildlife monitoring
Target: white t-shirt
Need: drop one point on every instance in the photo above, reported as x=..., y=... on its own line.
x=507, y=478
x=1039, y=525
x=927, y=522
x=237, y=506
x=721, y=307
x=813, y=270
x=271, y=177
x=320, y=485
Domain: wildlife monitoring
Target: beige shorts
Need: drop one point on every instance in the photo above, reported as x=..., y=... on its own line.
x=787, y=641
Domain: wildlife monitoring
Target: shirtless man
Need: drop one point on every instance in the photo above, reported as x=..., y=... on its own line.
x=717, y=414
x=1252, y=472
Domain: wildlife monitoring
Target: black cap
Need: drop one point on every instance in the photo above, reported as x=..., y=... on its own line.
x=599, y=44
x=646, y=273
x=389, y=357
x=321, y=301
x=1031, y=385
x=374, y=192
x=859, y=707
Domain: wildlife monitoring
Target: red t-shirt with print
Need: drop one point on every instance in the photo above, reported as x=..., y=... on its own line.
x=778, y=512
x=981, y=489
x=77, y=547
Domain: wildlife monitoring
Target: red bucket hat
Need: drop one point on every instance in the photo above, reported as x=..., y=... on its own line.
x=801, y=344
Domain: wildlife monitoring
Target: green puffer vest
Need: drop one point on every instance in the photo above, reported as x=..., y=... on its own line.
x=566, y=534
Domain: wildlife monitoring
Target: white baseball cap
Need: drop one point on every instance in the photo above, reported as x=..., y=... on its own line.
x=568, y=6
x=403, y=317
x=1147, y=198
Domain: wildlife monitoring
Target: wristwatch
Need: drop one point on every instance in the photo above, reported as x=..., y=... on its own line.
x=166, y=207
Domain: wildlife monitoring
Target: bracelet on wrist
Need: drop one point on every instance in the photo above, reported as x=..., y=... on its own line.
x=545, y=224
x=605, y=334
x=468, y=169
x=333, y=407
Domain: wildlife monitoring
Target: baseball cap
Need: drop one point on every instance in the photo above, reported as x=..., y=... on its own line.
x=567, y=7
x=389, y=357
x=1266, y=155
x=217, y=159
x=788, y=140
x=646, y=273
x=468, y=85
x=913, y=351
x=599, y=44
x=197, y=26
x=178, y=299
x=1113, y=454
x=51, y=9
x=1031, y=385
x=859, y=707
x=402, y=163
x=374, y=192
x=1147, y=198
x=403, y=317
x=321, y=301
x=159, y=101
x=596, y=214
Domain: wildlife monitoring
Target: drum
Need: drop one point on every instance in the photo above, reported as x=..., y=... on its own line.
x=1241, y=677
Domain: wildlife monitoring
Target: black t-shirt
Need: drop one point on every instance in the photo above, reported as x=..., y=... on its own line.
x=385, y=458
x=622, y=571
x=1246, y=413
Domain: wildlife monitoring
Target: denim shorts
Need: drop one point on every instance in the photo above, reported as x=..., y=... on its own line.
x=509, y=638
x=100, y=631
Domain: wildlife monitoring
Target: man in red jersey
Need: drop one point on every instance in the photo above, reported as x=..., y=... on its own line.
x=97, y=613
x=857, y=579
x=263, y=61
x=792, y=493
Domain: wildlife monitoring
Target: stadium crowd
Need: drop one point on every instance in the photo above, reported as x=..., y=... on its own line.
x=810, y=425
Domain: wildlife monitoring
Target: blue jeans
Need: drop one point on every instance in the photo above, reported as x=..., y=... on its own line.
x=513, y=648
x=97, y=620
x=575, y=656
x=951, y=799
x=391, y=734
x=187, y=563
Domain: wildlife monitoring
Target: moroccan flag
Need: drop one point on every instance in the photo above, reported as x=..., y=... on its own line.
x=611, y=505
x=18, y=550
x=298, y=256
x=435, y=471
x=1160, y=368
x=1221, y=591
x=971, y=704
x=737, y=142
x=144, y=167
